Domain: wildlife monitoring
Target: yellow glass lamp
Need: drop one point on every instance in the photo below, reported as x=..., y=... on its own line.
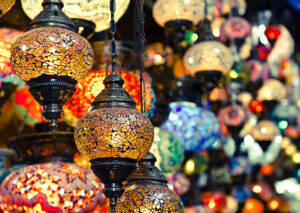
x=5, y=6
x=95, y=11
x=208, y=60
x=114, y=135
x=51, y=58
x=146, y=190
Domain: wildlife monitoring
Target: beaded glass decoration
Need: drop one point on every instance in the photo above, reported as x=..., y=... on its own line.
x=91, y=10
x=51, y=187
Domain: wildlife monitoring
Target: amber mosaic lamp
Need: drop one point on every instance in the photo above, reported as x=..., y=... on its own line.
x=114, y=135
x=51, y=58
x=5, y=6
x=146, y=190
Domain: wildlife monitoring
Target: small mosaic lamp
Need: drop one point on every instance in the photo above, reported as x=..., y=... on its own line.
x=51, y=58
x=5, y=6
x=146, y=190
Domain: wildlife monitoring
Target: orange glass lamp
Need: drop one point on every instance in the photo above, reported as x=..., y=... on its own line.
x=5, y=6
x=208, y=61
x=51, y=58
x=253, y=206
x=51, y=187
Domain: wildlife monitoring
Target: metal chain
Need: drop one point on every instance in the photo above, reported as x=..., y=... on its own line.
x=113, y=32
x=141, y=23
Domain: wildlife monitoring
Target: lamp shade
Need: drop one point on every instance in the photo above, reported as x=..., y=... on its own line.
x=234, y=115
x=95, y=11
x=253, y=206
x=168, y=150
x=51, y=187
x=196, y=127
x=5, y=6
x=208, y=56
x=237, y=28
x=272, y=89
x=265, y=131
x=167, y=10
x=51, y=51
x=158, y=54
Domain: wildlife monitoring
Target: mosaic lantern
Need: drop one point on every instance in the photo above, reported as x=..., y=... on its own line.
x=178, y=182
x=95, y=11
x=114, y=136
x=215, y=201
x=272, y=89
x=146, y=191
x=157, y=54
x=51, y=187
x=168, y=151
x=5, y=6
x=51, y=58
x=253, y=206
x=208, y=60
x=196, y=127
x=237, y=28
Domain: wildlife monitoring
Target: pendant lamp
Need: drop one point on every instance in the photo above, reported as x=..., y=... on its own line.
x=51, y=58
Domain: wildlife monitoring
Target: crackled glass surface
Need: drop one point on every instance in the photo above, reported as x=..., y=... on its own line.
x=114, y=132
x=168, y=150
x=5, y=6
x=265, y=131
x=91, y=10
x=51, y=187
x=51, y=51
x=196, y=127
x=208, y=56
x=192, y=10
x=140, y=198
x=158, y=54
x=92, y=85
x=272, y=89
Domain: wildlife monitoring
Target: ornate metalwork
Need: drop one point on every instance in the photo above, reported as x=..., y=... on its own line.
x=146, y=190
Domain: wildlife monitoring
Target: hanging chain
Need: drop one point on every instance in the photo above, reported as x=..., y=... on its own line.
x=113, y=32
x=141, y=23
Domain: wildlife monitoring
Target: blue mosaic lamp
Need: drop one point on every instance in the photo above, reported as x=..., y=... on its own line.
x=197, y=127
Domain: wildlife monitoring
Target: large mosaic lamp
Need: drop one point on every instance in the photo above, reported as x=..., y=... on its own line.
x=5, y=6
x=51, y=58
x=208, y=61
x=114, y=135
x=94, y=11
x=146, y=190
x=51, y=187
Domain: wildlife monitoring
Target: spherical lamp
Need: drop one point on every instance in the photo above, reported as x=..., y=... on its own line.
x=51, y=187
x=113, y=136
x=146, y=191
x=5, y=6
x=265, y=131
x=95, y=11
x=178, y=182
x=196, y=127
x=272, y=90
x=51, y=58
x=208, y=60
x=253, y=205
x=168, y=150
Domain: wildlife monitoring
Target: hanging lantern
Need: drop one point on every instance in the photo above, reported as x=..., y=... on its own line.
x=208, y=60
x=178, y=182
x=272, y=89
x=5, y=6
x=158, y=54
x=95, y=11
x=113, y=135
x=146, y=191
x=51, y=187
x=51, y=58
x=215, y=201
x=253, y=206
x=196, y=127
x=168, y=150
x=237, y=28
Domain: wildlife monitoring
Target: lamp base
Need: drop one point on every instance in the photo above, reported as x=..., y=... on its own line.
x=52, y=92
x=209, y=78
x=112, y=172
